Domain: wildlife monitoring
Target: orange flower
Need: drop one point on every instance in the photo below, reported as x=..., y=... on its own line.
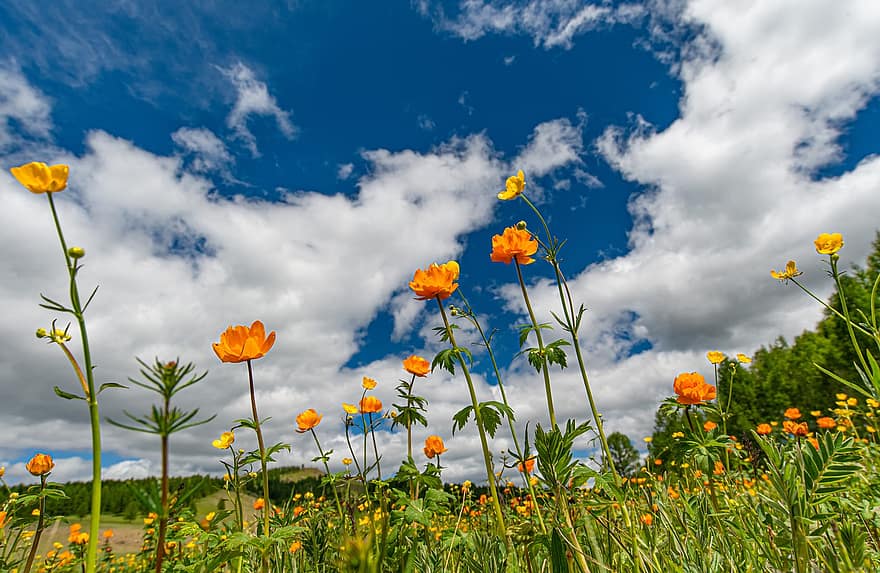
x=308, y=420
x=814, y=441
x=240, y=343
x=295, y=546
x=826, y=423
x=828, y=243
x=792, y=414
x=715, y=357
x=513, y=187
x=437, y=281
x=513, y=244
x=528, y=467
x=370, y=405
x=108, y=533
x=763, y=429
x=434, y=446
x=259, y=504
x=800, y=430
x=40, y=464
x=709, y=425
x=38, y=177
x=719, y=468
x=417, y=366
x=368, y=383
x=647, y=519
x=2, y=519
x=692, y=389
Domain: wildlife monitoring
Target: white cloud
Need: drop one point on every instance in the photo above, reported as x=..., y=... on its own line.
x=209, y=153
x=21, y=106
x=553, y=144
x=253, y=98
x=550, y=23
x=425, y=122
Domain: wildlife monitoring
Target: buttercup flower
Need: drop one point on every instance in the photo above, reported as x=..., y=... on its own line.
x=308, y=420
x=514, y=186
x=226, y=439
x=434, y=446
x=792, y=413
x=828, y=243
x=692, y=389
x=743, y=358
x=790, y=272
x=346, y=461
x=370, y=405
x=40, y=464
x=349, y=408
x=763, y=429
x=513, y=244
x=417, y=366
x=715, y=357
x=437, y=281
x=38, y=177
x=240, y=343
x=368, y=383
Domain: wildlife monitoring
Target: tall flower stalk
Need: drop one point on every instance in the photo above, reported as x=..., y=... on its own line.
x=40, y=178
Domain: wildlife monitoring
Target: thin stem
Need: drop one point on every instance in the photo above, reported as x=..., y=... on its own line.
x=849, y=322
x=545, y=365
x=39, y=531
x=826, y=305
x=478, y=416
x=327, y=469
x=91, y=396
x=267, y=504
x=163, y=517
x=375, y=448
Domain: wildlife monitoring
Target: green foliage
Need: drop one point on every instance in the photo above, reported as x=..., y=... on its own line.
x=624, y=455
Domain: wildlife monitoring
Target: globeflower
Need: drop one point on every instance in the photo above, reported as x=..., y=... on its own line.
x=417, y=366
x=513, y=244
x=826, y=423
x=709, y=425
x=241, y=343
x=370, y=405
x=349, y=408
x=828, y=243
x=790, y=272
x=37, y=177
x=792, y=413
x=692, y=389
x=800, y=430
x=763, y=429
x=514, y=186
x=226, y=439
x=437, y=281
x=526, y=468
x=308, y=420
x=40, y=464
x=434, y=446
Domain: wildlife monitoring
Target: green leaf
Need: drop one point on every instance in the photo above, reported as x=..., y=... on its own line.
x=461, y=418
x=445, y=359
x=111, y=385
x=67, y=395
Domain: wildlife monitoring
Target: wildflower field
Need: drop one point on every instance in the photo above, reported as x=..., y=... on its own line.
x=799, y=492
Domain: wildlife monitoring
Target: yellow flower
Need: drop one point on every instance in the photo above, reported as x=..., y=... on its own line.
x=840, y=396
x=346, y=461
x=743, y=358
x=828, y=243
x=349, y=408
x=308, y=420
x=437, y=281
x=241, y=343
x=295, y=546
x=514, y=186
x=40, y=464
x=38, y=177
x=715, y=357
x=790, y=272
x=226, y=440
x=368, y=383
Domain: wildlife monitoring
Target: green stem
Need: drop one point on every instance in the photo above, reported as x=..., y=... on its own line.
x=825, y=304
x=375, y=448
x=163, y=516
x=545, y=366
x=327, y=469
x=849, y=322
x=500, y=527
x=92, y=397
x=267, y=503
x=39, y=531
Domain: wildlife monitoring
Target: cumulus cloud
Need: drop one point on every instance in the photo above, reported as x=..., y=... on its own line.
x=550, y=23
x=253, y=99
x=344, y=171
x=23, y=104
x=208, y=153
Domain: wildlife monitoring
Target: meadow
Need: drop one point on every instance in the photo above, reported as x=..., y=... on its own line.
x=798, y=492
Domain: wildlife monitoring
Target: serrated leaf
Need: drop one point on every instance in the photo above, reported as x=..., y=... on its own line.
x=460, y=418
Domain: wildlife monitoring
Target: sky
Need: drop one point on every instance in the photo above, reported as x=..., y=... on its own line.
x=296, y=163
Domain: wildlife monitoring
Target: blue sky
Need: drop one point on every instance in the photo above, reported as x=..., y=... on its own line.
x=295, y=163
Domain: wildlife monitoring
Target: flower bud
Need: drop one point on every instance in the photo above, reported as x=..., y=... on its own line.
x=41, y=333
x=521, y=226
x=40, y=464
x=76, y=252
